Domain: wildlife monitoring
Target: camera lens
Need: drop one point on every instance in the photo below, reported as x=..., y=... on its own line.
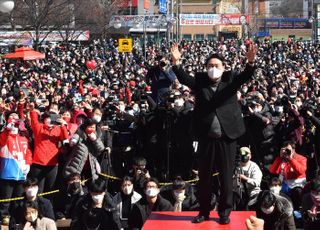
x=288, y=152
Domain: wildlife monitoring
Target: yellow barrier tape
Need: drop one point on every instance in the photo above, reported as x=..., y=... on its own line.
x=109, y=176
x=84, y=181
x=188, y=181
x=21, y=198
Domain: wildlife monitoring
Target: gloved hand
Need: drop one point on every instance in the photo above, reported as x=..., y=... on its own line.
x=74, y=140
x=26, y=169
x=11, y=122
x=91, y=133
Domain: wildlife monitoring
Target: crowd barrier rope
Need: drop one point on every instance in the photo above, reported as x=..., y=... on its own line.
x=84, y=181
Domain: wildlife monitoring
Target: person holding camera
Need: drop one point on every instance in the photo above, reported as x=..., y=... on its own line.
x=291, y=168
x=47, y=140
x=15, y=161
x=250, y=176
x=139, y=173
x=160, y=78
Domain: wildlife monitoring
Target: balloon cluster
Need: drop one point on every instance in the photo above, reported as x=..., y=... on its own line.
x=91, y=64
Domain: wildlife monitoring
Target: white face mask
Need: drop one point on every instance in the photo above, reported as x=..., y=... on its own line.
x=136, y=108
x=256, y=110
x=14, y=130
x=127, y=190
x=278, y=109
x=122, y=108
x=152, y=192
x=96, y=118
x=178, y=102
x=32, y=192
x=98, y=198
x=214, y=73
x=267, y=210
x=32, y=218
x=275, y=189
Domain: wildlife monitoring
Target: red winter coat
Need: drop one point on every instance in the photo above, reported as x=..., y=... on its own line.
x=294, y=169
x=46, y=144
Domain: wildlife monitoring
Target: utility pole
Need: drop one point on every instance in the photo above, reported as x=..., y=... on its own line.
x=178, y=11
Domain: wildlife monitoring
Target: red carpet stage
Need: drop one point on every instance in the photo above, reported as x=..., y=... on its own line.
x=182, y=220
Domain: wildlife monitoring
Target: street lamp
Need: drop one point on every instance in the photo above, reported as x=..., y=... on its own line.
x=6, y=6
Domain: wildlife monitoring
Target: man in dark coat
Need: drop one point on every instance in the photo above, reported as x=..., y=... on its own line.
x=217, y=123
x=161, y=80
x=152, y=201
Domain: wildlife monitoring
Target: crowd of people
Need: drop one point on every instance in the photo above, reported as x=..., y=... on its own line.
x=130, y=118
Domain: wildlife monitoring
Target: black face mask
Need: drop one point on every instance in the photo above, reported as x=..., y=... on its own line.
x=74, y=188
x=244, y=158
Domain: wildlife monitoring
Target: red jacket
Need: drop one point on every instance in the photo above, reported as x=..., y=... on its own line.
x=46, y=141
x=294, y=169
x=15, y=156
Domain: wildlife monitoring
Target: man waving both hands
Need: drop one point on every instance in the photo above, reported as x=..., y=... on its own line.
x=217, y=125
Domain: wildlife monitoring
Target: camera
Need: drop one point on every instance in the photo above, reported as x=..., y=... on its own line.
x=287, y=152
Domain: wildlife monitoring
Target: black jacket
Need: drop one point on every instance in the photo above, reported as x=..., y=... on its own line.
x=190, y=203
x=45, y=208
x=141, y=211
x=65, y=203
x=281, y=218
x=95, y=218
x=223, y=102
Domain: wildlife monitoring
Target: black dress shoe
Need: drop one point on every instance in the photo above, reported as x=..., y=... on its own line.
x=224, y=220
x=199, y=219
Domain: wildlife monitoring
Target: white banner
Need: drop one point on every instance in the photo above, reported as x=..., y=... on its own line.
x=26, y=37
x=199, y=19
x=213, y=19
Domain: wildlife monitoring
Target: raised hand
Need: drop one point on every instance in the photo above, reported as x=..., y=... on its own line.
x=175, y=54
x=251, y=53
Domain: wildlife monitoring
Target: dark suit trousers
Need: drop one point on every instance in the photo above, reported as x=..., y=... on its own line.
x=216, y=154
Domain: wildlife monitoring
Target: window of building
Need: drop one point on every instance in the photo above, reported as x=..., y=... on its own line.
x=187, y=37
x=211, y=37
x=199, y=37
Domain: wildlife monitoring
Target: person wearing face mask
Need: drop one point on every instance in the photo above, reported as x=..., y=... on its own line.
x=69, y=194
x=152, y=201
x=181, y=195
x=218, y=124
x=291, y=170
x=311, y=206
x=34, y=220
x=125, y=199
x=275, y=187
x=276, y=211
x=31, y=191
x=96, y=210
x=46, y=148
x=260, y=125
x=15, y=161
x=87, y=145
x=161, y=79
x=250, y=177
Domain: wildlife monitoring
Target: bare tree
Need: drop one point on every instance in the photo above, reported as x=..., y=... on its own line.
x=41, y=16
x=100, y=14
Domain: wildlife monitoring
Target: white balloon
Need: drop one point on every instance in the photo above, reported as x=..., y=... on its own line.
x=6, y=6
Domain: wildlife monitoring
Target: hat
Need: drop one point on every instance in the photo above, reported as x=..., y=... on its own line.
x=245, y=151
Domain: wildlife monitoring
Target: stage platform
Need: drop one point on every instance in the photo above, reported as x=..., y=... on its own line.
x=182, y=220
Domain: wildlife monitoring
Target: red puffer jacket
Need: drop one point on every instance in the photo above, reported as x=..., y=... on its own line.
x=46, y=145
